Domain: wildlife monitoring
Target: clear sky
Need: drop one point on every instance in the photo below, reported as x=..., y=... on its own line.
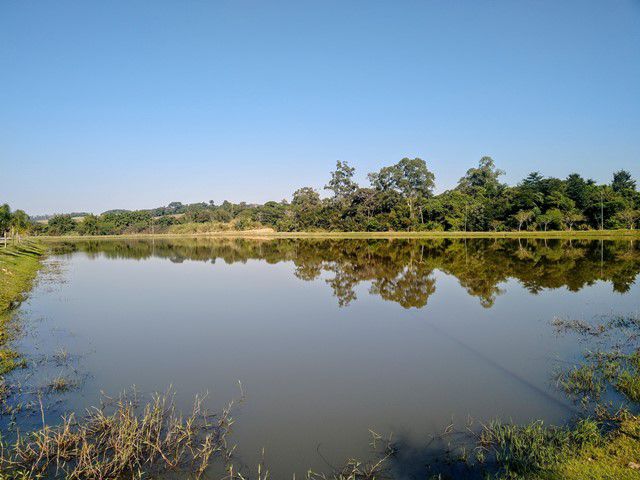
x=133, y=104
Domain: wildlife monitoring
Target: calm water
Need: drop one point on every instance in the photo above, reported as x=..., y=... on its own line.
x=330, y=338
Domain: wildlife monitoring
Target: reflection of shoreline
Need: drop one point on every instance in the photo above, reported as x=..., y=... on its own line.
x=268, y=234
x=401, y=271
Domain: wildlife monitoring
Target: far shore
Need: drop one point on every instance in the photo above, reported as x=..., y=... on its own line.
x=271, y=234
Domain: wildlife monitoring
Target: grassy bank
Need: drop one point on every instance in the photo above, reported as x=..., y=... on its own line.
x=267, y=233
x=19, y=265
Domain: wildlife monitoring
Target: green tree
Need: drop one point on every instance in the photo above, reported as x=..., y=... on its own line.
x=484, y=179
x=409, y=177
x=341, y=183
x=572, y=217
x=19, y=222
x=623, y=182
x=60, y=225
x=306, y=206
x=576, y=188
x=553, y=216
x=89, y=225
x=5, y=219
x=628, y=217
x=523, y=217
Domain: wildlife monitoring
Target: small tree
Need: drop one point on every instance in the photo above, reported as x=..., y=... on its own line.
x=628, y=217
x=523, y=216
x=553, y=216
x=572, y=217
x=5, y=220
x=19, y=222
x=544, y=220
x=495, y=225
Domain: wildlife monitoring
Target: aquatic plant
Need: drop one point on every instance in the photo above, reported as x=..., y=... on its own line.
x=122, y=439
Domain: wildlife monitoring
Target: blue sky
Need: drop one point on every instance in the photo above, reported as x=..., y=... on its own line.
x=133, y=104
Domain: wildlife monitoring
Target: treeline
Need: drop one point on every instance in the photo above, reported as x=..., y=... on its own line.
x=399, y=198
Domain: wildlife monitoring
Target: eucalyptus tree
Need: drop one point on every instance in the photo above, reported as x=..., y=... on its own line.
x=341, y=183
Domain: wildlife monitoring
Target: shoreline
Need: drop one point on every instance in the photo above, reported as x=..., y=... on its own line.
x=268, y=234
x=19, y=267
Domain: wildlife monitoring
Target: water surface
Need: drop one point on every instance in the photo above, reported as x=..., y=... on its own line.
x=330, y=338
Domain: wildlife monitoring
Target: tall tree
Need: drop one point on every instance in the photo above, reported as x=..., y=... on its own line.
x=409, y=177
x=306, y=204
x=623, y=182
x=484, y=179
x=341, y=183
x=576, y=189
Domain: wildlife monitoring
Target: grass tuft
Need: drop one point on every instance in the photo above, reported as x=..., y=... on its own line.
x=123, y=440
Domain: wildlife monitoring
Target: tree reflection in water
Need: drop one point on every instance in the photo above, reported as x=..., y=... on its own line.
x=402, y=270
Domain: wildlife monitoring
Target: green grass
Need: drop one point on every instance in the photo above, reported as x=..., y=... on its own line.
x=19, y=265
x=612, y=458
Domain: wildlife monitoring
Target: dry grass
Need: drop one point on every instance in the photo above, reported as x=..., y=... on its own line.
x=122, y=439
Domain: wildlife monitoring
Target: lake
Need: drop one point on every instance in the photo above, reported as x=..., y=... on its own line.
x=329, y=338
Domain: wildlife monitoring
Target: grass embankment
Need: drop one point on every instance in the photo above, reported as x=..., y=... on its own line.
x=269, y=233
x=616, y=456
x=593, y=449
x=19, y=265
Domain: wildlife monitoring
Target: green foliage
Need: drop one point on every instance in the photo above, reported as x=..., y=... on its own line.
x=400, y=198
x=5, y=218
x=341, y=183
x=61, y=225
x=528, y=449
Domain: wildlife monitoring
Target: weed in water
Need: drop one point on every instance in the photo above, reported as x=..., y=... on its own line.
x=122, y=441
